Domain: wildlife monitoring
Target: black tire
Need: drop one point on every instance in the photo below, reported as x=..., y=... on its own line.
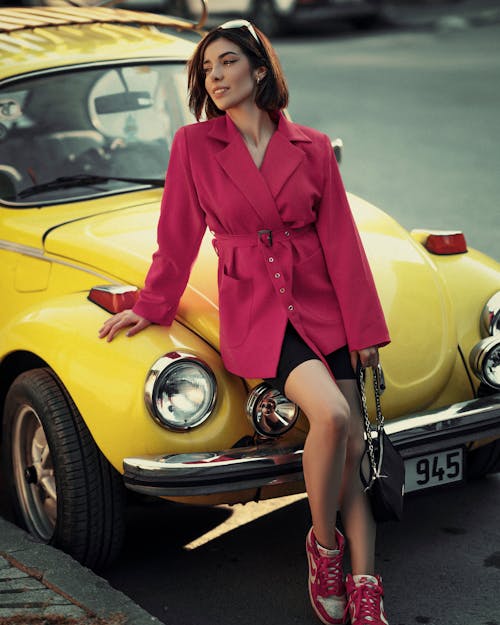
x=483, y=460
x=265, y=17
x=61, y=487
x=179, y=8
x=368, y=22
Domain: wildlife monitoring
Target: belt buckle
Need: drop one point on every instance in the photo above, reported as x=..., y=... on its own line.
x=268, y=237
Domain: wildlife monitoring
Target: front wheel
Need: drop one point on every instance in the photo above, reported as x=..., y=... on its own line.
x=266, y=17
x=61, y=487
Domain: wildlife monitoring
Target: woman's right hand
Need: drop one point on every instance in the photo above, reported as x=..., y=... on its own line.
x=122, y=320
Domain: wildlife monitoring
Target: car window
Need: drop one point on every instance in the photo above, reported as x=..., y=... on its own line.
x=114, y=121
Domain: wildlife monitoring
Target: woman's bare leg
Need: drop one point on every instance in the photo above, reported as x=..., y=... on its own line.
x=311, y=387
x=360, y=528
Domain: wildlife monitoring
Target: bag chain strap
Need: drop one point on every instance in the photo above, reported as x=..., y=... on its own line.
x=380, y=417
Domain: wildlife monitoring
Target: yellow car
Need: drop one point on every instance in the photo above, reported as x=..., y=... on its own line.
x=89, y=102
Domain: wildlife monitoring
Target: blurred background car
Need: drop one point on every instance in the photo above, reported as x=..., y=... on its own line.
x=272, y=16
x=277, y=16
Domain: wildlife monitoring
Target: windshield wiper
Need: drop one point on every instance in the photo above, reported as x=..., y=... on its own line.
x=65, y=182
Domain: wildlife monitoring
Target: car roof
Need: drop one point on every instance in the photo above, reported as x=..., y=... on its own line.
x=32, y=39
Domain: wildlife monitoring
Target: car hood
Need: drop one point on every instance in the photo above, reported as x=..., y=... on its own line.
x=119, y=244
x=422, y=353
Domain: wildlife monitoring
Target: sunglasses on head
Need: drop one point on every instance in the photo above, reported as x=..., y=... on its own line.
x=240, y=24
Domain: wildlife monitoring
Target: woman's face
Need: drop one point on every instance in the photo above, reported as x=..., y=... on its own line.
x=230, y=80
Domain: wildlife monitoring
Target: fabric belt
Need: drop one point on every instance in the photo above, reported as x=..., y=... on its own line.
x=264, y=237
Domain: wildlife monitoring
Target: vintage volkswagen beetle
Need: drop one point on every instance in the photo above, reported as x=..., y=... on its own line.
x=89, y=102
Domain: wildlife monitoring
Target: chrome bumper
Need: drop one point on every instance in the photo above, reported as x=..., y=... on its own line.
x=272, y=462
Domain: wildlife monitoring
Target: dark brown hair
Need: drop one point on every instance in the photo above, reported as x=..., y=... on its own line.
x=272, y=91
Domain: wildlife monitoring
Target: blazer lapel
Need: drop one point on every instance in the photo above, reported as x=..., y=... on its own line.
x=281, y=160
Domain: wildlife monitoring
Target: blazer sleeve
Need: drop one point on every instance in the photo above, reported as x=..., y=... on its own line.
x=181, y=227
x=347, y=264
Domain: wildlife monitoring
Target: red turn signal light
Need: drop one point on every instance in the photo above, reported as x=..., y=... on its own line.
x=114, y=298
x=446, y=243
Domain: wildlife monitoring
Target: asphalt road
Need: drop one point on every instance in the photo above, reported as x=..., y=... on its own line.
x=418, y=113
x=246, y=565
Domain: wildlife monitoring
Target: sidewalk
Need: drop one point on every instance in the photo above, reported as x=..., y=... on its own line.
x=40, y=585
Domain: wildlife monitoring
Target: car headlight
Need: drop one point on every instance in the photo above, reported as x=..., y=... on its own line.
x=485, y=361
x=180, y=391
x=490, y=317
x=270, y=412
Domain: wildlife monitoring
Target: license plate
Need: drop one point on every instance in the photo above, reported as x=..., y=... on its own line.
x=438, y=469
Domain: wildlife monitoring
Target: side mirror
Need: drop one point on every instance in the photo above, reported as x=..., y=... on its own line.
x=338, y=147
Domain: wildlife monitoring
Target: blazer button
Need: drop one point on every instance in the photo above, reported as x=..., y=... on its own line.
x=287, y=234
x=271, y=259
x=290, y=307
x=277, y=275
x=282, y=290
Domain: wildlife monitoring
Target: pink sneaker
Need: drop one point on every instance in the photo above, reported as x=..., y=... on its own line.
x=365, y=604
x=326, y=580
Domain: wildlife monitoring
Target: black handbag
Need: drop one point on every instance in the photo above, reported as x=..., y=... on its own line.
x=385, y=483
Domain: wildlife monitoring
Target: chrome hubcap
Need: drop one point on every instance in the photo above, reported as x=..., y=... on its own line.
x=34, y=474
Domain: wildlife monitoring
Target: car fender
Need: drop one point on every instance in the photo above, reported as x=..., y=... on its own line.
x=471, y=279
x=106, y=380
x=420, y=360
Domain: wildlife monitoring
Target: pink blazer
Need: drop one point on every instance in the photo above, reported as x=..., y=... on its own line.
x=287, y=243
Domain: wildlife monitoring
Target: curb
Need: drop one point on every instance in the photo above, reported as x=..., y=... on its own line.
x=37, y=579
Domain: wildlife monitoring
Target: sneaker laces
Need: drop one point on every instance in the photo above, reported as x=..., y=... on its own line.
x=330, y=575
x=366, y=599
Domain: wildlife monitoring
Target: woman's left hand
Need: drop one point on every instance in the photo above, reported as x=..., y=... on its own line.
x=367, y=357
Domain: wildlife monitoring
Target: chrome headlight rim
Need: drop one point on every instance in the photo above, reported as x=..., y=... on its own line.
x=156, y=378
x=490, y=316
x=482, y=356
x=272, y=424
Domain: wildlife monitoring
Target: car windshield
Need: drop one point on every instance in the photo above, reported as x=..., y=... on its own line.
x=82, y=133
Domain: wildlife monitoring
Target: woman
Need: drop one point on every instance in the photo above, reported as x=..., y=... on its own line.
x=297, y=301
